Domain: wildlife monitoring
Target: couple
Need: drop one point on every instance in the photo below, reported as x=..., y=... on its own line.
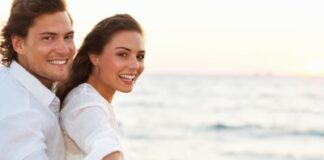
x=37, y=49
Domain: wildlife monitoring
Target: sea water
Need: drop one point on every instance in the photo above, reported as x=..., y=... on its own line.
x=170, y=117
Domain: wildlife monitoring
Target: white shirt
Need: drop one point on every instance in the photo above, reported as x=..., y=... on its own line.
x=89, y=125
x=29, y=127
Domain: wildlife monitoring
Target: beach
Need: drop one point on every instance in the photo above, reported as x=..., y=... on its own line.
x=173, y=117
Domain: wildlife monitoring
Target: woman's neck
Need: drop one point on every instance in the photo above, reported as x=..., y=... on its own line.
x=104, y=91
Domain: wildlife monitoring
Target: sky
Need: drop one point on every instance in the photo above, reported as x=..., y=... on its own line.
x=254, y=37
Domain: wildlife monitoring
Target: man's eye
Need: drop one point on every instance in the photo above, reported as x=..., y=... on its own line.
x=49, y=38
x=69, y=37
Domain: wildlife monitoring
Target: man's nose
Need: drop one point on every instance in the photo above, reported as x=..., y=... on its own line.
x=63, y=47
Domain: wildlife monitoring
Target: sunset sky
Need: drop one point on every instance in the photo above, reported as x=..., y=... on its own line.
x=217, y=36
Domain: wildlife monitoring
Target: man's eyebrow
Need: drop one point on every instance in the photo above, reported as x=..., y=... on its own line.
x=48, y=33
x=71, y=32
x=53, y=33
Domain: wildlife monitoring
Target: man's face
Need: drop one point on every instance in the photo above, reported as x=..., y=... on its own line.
x=48, y=49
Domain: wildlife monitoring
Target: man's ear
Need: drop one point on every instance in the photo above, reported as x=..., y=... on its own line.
x=18, y=44
x=94, y=59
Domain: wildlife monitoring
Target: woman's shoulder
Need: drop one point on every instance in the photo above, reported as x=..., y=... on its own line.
x=82, y=92
x=82, y=96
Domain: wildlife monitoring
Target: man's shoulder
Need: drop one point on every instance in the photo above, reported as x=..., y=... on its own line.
x=8, y=84
x=13, y=96
x=4, y=71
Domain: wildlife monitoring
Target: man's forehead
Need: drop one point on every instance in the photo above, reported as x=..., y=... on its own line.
x=55, y=23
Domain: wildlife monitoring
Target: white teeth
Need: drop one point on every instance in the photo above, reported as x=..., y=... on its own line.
x=130, y=77
x=58, y=62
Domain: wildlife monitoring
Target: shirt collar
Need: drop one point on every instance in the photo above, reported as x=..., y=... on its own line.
x=32, y=84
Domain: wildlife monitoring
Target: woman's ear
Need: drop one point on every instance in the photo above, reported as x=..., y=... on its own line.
x=94, y=59
x=18, y=44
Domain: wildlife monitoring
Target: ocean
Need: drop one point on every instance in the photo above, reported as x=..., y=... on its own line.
x=173, y=117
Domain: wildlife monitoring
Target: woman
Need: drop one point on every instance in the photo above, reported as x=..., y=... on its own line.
x=110, y=59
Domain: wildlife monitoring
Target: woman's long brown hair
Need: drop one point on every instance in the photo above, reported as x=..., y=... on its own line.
x=94, y=43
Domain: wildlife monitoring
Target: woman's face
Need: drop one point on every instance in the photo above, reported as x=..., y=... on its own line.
x=121, y=62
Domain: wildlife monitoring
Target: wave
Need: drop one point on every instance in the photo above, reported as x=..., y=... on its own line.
x=271, y=156
x=232, y=127
x=258, y=130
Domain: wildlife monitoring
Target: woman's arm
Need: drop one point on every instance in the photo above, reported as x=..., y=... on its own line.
x=89, y=125
x=114, y=156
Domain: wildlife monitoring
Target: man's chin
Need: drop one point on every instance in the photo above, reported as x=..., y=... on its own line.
x=60, y=78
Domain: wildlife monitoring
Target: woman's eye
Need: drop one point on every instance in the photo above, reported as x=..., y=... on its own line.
x=140, y=57
x=123, y=54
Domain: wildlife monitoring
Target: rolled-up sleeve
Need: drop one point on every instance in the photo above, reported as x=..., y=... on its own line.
x=90, y=125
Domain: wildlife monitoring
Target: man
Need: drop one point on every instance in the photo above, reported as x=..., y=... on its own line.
x=36, y=47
